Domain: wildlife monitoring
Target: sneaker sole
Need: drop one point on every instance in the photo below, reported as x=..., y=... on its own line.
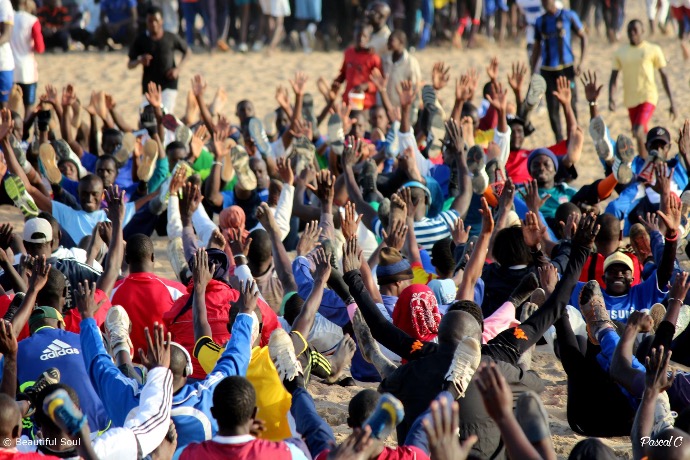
x=183, y=134
x=49, y=161
x=625, y=152
x=148, y=161
x=537, y=89
x=240, y=163
x=128, y=141
x=256, y=132
x=597, y=131
x=336, y=136
x=475, y=164
x=16, y=190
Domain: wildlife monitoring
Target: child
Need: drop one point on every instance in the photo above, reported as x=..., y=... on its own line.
x=26, y=40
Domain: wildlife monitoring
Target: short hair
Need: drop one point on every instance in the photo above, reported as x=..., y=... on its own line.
x=54, y=289
x=470, y=307
x=178, y=361
x=293, y=307
x=361, y=406
x=89, y=179
x=234, y=402
x=107, y=157
x=564, y=210
x=111, y=132
x=41, y=418
x=486, y=90
x=139, y=248
x=609, y=228
x=174, y=145
x=400, y=35
x=260, y=249
x=456, y=325
x=153, y=9
x=52, y=221
x=442, y=256
x=510, y=248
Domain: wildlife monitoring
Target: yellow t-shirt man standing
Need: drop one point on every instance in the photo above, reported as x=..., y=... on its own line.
x=639, y=64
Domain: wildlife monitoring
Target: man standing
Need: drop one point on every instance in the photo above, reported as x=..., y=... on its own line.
x=6, y=59
x=155, y=51
x=552, y=42
x=638, y=60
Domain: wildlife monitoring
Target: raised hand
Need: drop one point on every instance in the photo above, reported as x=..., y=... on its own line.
x=456, y=142
x=395, y=237
x=407, y=91
x=656, y=363
x=563, y=93
x=309, y=239
x=158, y=354
x=680, y=287
x=672, y=216
x=8, y=341
x=154, y=95
x=6, y=123
x=322, y=266
x=237, y=245
x=531, y=196
x=115, y=202
x=492, y=69
x=570, y=227
x=463, y=88
x=265, y=216
x=592, y=90
x=299, y=83
x=199, y=139
x=459, y=233
x=499, y=99
x=6, y=230
x=532, y=229
x=548, y=278
x=352, y=255
x=488, y=218
x=517, y=75
x=379, y=80
x=105, y=232
x=411, y=206
x=349, y=223
x=68, y=95
x=586, y=231
x=202, y=273
x=249, y=296
x=496, y=393
x=662, y=184
x=198, y=85
x=440, y=74
x=324, y=189
x=651, y=223
x=282, y=96
x=285, y=171
x=39, y=273
x=441, y=427
x=507, y=197
x=684, y=138
x=220, y=136
x=86, y=303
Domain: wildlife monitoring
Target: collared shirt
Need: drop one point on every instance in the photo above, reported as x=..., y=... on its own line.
x=554, y=31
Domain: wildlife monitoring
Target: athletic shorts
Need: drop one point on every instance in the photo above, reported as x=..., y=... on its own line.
x=6, y=80
x=641, y=114
x=29, y=91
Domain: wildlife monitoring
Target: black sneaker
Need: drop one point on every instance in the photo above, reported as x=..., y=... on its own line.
x=48, y=377
x=524, y=289
x=14, y=306
x=367, y=180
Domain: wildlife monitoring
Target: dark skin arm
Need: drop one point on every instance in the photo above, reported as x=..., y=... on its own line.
x=281, y=261
x=18, y=284
x=672, y=220
x=121, y=123
x=613, y=85
x=592, y=90
x=536, y=54
x=198, y=88
x=37, y=280
x=473, y=269
x=355, y=194
x=116, y=213
x=305, y=320
x=667, y=89
x=8, y=348
x=298, y=86
x=456, y=145
x=202, y=276
x=6, y=33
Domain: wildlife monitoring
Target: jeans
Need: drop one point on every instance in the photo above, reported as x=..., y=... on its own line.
x=189, y=12
x=552, y=104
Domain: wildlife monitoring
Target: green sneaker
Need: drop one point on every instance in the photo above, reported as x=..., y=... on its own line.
x=17, y=192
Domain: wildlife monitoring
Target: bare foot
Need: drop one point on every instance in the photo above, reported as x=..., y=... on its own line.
x=219, y=101
x=369, y=348
x=342, y=358
x=398, y=211
x=191, y=112
x=217, y=240
x=16, y=99
x=686, y=51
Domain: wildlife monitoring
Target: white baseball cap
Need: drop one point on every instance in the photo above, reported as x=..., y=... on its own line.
x=38, y=230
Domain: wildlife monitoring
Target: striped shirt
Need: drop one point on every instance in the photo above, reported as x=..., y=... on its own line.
x=429, y=230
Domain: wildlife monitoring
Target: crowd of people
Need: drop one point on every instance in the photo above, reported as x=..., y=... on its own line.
x=373, y=237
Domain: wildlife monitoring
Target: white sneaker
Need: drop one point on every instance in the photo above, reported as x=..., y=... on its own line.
x=242, y=48
x=664, y=417
x=683, y=320
x=257, y=46
x=602, y=144
x=282, y=354
x=117, y=328
x=465, y=362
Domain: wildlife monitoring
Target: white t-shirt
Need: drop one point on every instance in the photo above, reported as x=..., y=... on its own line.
x=22, y=44
x=6, y=16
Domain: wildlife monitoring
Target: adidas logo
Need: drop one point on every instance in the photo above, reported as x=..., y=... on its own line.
x=58, y=348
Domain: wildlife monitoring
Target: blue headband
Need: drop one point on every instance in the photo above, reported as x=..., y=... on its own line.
x=393, y=269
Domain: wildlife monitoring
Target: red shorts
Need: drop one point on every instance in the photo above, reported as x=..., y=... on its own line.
x=680, y=12
x=641, y=114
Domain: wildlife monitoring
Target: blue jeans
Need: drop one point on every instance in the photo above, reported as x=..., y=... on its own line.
x=189, y=12
x=316, y=432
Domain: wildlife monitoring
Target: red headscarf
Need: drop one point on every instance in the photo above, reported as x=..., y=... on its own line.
x=416, y=312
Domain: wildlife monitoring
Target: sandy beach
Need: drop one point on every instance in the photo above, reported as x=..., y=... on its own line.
x=255, y=77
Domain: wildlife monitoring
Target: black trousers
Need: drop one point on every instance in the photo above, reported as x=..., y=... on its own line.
x=552, y=104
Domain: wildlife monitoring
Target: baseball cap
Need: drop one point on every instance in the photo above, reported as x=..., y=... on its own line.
x=515, y=119
x=37, y=230
x=658, y=133
x=619, y=258
x=41, y=313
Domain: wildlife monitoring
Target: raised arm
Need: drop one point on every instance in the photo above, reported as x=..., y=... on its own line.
x=37, y=280
x=456, y=145
x=121, y=123
x=305, y=319
x=116, y=213
x=672, y=220
x=349, y=158
x=8, y=348
x=281, y=261
x=592, y=91
x=473, y=269
x=202, y=274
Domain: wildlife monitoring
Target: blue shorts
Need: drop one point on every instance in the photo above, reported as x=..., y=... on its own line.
x=29, y=92
x=6, y=80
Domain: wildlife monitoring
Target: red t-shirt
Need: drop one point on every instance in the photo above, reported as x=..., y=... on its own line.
x=256, y=448
x=145, y=297
x=14, y=455
x=73, y=317
x=516, y=166
x=356, y=70
x=391, y=453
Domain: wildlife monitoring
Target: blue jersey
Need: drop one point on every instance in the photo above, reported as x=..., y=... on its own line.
x=554, y=31
x=640, y=296
x=49, y=347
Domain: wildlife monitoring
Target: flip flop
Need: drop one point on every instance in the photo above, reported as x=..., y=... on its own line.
x=124, y=153
x=240, y=163
x=336, y=136
x=258, y=135
x=147, y=162
x=49, y=161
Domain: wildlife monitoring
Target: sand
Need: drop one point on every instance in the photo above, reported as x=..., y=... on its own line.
x=255, y=76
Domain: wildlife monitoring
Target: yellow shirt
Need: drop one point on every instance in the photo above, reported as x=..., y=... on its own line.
x=482, y=138
x=272, y=399
x=420, y=276
x=638, y=64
